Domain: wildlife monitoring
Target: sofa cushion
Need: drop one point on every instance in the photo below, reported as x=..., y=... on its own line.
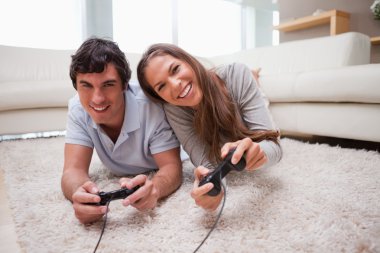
x=310, y=54
x=133, y=59
x=35, y=94
x=359, y=84
x=25, y=64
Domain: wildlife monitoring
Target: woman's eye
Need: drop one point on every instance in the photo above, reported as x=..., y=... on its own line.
x=159, y=87
x=175, y=69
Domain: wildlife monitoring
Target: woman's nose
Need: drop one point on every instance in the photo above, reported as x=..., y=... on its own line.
x=175, y=82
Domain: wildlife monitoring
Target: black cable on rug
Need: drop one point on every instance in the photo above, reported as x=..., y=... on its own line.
x=200, y=245
x=104, y=226
x=217, y=218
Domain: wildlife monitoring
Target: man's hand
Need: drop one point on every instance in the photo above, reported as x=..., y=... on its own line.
x=145, y=198
x=77, y=186
x=199, y=194
x=87, y=193
x=165, y=181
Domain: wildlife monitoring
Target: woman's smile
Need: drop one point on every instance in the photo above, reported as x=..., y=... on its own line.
x=173, y=80
x=186, y=91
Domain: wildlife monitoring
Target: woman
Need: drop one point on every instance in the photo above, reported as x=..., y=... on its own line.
x=211, y=112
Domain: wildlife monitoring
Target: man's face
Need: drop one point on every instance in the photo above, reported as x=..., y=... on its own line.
x=101, y=95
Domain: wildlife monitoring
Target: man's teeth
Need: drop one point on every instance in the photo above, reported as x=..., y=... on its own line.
x=185, y=91
x=99, y=108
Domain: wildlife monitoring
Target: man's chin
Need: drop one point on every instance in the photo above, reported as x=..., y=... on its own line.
x=99, y=120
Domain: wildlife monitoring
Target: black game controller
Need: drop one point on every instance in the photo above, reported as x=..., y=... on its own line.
x=122, y=193
x=221, y=171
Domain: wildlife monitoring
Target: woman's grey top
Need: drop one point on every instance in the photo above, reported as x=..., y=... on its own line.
x=248, y=97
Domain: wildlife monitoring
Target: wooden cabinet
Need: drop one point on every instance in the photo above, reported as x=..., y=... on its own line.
x=339, y=22
x=375, y=40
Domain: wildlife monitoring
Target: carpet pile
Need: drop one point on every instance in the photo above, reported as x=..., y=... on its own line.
x=317, y=199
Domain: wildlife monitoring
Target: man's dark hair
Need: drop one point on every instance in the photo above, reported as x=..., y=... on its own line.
x=93, y=56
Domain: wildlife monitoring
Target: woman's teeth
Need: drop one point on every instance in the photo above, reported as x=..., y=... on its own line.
x=185, y=91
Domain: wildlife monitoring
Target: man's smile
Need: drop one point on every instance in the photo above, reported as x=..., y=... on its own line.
x=99, y=108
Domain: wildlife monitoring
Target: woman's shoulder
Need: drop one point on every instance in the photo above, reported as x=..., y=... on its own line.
x=178, y=111
x=231, y=68
x=238, y=79
x=233, y=74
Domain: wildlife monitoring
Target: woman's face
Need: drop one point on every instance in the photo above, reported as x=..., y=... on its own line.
x=173, y=80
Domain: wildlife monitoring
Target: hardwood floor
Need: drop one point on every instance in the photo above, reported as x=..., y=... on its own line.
x=332, y=141
x=8, y=238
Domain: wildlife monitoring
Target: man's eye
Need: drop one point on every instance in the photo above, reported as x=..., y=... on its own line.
x=85, y=85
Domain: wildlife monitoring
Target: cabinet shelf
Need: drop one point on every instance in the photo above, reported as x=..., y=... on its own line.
x=339, y=22
x=375, y=40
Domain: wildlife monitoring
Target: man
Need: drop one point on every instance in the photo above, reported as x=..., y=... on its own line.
x=130, y=134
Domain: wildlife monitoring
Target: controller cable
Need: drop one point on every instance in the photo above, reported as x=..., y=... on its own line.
x=200, y=245
x=217, y=218
x=104, y=226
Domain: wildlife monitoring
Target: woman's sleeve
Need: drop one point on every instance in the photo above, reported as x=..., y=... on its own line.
x=254, y=111
x=181, y=120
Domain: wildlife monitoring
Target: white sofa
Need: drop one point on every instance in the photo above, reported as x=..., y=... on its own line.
x=323, y=86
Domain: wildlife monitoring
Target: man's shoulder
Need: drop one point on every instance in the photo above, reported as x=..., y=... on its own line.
x=76, y=109
x=74, y=103
x=136, y=90
x=141, y=98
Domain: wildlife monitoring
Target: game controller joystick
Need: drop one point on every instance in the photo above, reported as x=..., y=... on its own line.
x=122, y=193
x=221, y=171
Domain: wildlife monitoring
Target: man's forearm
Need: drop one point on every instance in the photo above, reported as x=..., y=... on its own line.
x=71, y=181
x=167, y=180
x=75, y=168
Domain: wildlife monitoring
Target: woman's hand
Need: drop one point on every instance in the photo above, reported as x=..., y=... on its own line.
x=254, y=155
x=199, y=194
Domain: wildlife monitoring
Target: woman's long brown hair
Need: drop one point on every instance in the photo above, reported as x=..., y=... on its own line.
x=217, y=114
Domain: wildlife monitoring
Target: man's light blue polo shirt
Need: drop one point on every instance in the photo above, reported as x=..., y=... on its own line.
x=145, y=131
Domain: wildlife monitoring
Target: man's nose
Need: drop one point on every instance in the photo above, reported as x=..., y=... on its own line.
x=98, y=96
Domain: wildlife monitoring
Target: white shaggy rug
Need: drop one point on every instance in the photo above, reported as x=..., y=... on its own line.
x=317, y=199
